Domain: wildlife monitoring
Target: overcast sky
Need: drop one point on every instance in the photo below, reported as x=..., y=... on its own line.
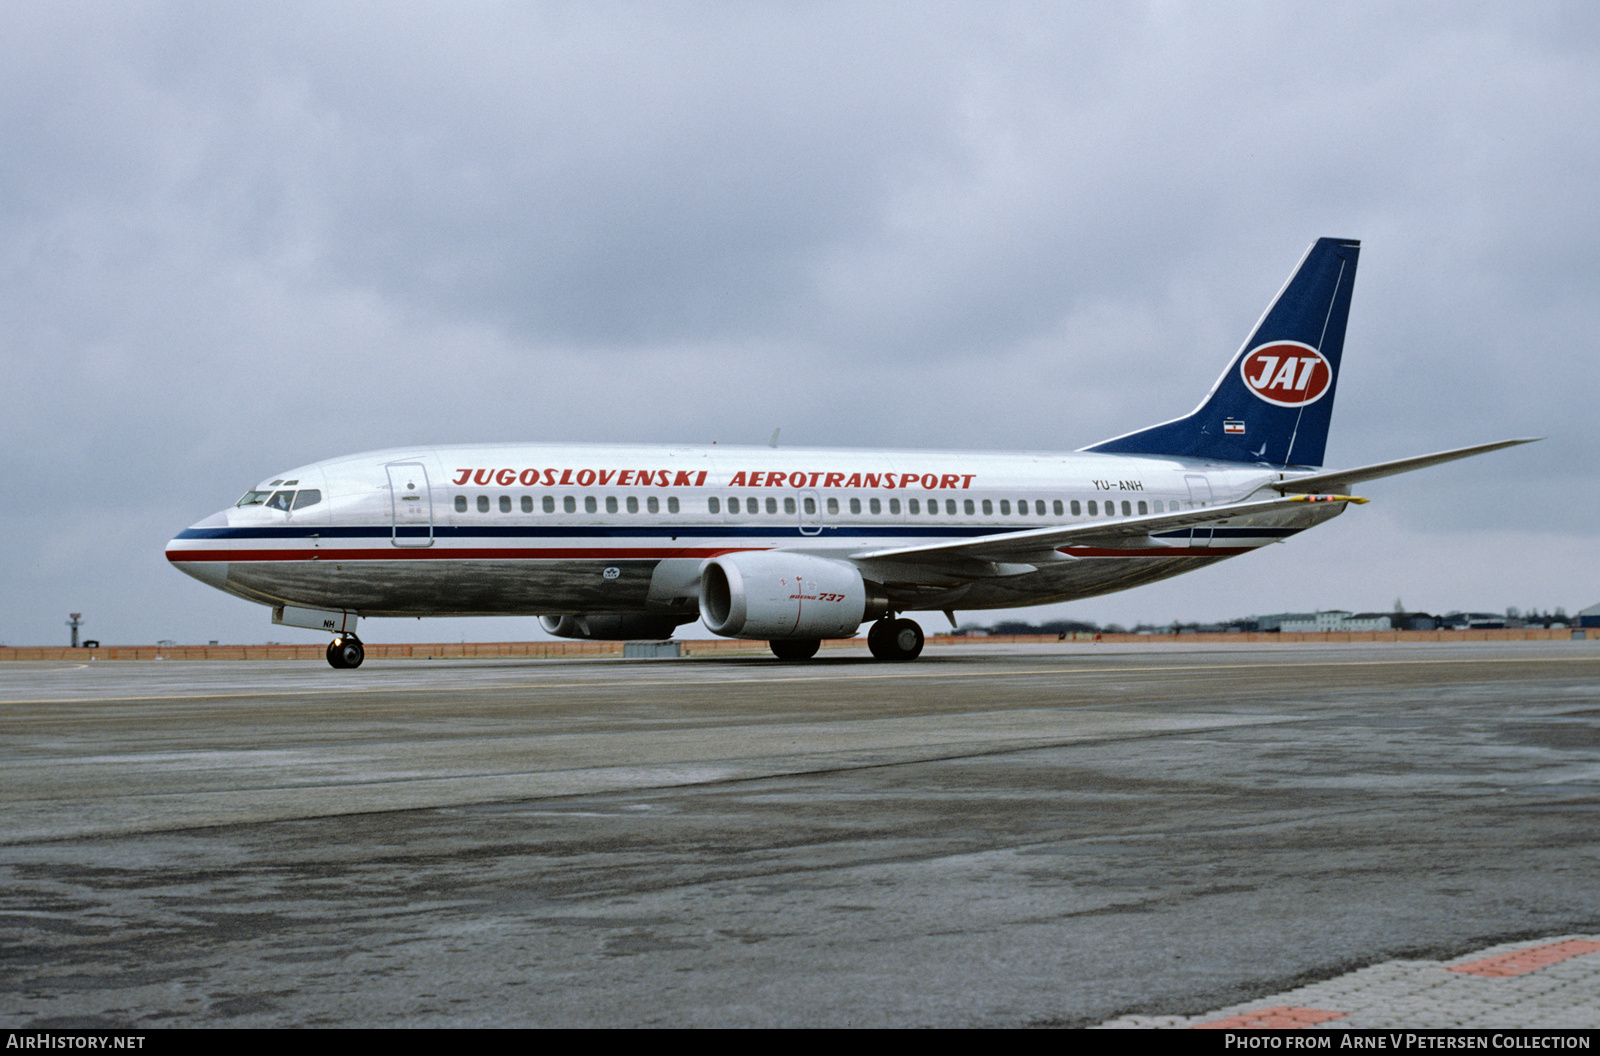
x=237, y=238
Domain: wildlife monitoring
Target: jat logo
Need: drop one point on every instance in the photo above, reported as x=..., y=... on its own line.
x=1286, y=373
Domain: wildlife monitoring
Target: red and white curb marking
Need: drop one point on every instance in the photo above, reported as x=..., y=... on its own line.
x=1553, y=984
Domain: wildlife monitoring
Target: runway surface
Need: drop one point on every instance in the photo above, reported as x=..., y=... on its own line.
x=1044, y=835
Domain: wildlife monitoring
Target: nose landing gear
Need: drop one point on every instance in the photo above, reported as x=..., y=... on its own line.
x=346, y=651
x=891, y=639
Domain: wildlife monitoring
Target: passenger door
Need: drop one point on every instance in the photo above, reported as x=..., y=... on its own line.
x=1199, y=495
x=411, y=502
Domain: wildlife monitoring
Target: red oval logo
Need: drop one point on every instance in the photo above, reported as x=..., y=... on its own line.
x=1286, y=373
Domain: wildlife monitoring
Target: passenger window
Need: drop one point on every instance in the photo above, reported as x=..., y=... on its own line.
x=988, y=508
x=1077, y=510
x=569, y=503
x=549, y=504
x=772, y=505
x=855, y=505
x=652, y=505
x=307, y=497
x=1058, y=509
x=913, y=506
x=633, y=504
x=461, y=504
x=733, y=505
x=833, y=506
x=1038, y=507
x=505, y=504
x=611, y=504
x=950, y=507
x=527, y=504
x=1005, y=507
x=713, y=505
x=1127, y=508
x=894, y=507
x=672, y=504
x=589, y=505
x=483, y=504
x=788, y=506
x=1022, y=507
x=810, y=506
x=1143, y=509
x=969, y=507
x=1094, y=508
x=874, y=506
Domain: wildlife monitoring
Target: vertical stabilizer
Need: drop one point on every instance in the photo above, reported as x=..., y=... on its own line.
x=1274, y=402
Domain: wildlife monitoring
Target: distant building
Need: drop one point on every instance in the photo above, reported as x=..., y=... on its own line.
x=1338, y=620
x=1589, y=617
x=1327, y=620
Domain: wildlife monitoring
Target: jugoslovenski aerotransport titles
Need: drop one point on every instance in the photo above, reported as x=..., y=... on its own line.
x=796, y=545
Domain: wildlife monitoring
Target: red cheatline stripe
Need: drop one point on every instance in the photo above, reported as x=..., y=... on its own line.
x=1530, y=959
x=1158, y=551
x=1278, y=1017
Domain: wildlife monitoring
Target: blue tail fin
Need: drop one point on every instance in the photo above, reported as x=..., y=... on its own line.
x=1275, y=400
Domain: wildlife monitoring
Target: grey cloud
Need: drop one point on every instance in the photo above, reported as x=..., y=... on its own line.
x=239, y=238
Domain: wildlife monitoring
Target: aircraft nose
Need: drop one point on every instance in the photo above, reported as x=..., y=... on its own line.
x=194, y=551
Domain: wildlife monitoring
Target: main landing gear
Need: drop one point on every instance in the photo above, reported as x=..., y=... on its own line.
x=891, y=639
x=345, y=651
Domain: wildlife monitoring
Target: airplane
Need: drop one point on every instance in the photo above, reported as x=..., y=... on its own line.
x=794, y=545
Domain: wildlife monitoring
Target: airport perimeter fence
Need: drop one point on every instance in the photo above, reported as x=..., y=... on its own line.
x=721, y=646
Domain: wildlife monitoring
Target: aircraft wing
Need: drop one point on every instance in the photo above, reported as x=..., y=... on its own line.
x=1041, y=543
x=1340, y=479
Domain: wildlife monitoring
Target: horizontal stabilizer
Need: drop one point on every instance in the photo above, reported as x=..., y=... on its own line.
x=1343, y=478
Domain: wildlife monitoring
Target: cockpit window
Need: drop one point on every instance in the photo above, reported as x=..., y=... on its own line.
x=282, y=500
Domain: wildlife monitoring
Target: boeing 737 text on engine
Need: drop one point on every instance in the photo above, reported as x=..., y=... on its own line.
x=793, y=546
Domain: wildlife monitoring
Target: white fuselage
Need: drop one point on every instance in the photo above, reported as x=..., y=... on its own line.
x=491, y=529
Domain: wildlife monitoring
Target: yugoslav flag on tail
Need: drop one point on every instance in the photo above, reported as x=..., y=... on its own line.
x=1275, y=400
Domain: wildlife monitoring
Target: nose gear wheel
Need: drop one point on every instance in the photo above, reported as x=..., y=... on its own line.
x=346, y=651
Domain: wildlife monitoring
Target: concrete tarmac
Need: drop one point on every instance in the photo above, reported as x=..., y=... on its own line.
x=1043, y=835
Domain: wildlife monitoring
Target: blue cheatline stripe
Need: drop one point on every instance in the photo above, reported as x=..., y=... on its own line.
x=656, y=531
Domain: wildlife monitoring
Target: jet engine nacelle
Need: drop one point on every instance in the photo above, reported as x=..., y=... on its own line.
x=773, y=594
x=611, y=627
